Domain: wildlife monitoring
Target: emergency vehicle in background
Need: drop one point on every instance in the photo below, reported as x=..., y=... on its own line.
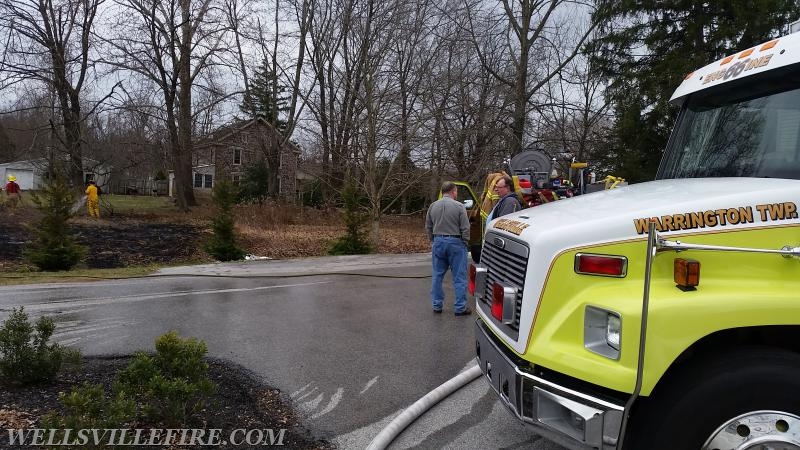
x=666, y=314
x=536, y=181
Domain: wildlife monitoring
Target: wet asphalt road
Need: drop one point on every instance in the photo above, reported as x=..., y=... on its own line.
x=351, y=341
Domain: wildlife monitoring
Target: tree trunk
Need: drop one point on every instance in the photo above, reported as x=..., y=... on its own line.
x=183, y=152
x=375, y=232
x=72, y=134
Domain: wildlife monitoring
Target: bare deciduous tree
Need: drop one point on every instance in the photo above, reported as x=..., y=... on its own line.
x=170, y=44
x=534, y=41
x=284, y=70
x=49, y=42
x=576, y=115
x=389, y=92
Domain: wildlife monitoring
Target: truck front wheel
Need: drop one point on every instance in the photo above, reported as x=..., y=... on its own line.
x=743, y=399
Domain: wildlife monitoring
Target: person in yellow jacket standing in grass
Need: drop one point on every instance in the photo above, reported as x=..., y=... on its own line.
x=93, y=200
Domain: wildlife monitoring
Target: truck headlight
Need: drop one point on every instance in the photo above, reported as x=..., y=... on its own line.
x=602, y=332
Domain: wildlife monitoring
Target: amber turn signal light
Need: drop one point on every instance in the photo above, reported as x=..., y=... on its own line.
x=687, y=274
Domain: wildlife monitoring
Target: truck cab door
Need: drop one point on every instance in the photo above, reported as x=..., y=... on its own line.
x=467, y=196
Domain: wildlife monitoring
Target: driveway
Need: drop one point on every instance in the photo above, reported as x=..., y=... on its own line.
x=351, y=341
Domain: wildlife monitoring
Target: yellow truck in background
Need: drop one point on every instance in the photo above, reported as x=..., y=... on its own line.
x=536, y=180
x=663, y=315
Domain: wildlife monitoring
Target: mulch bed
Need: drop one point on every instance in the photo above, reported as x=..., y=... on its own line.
x=240, y=402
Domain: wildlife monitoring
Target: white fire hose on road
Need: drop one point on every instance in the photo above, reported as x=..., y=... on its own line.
x=396, y=426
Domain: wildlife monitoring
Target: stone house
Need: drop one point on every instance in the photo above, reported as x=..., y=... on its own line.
x=225, y=154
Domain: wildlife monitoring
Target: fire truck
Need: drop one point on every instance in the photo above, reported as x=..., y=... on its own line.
x=536, y=181
x=665, y=314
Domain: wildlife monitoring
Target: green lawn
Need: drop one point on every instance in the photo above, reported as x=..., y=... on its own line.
x=119, y=203
x=138, y=203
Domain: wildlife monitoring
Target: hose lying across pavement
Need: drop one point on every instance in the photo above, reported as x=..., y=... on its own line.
x=396, y=426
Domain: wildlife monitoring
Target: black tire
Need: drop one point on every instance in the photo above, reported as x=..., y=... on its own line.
x=475, y=251
x=699, y=399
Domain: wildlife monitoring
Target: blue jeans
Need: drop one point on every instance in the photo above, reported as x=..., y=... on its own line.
x=449, y=252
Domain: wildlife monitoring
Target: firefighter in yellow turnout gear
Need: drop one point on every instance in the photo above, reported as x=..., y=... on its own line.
x=93, y=200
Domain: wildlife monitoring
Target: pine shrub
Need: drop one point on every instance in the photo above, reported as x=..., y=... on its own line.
x=173, y=384
x=53, y=247
x=26, y=357
x=222, y=244
x=355, y=241
x=87, y=408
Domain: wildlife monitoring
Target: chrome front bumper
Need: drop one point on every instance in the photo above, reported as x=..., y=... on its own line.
x=573, y=419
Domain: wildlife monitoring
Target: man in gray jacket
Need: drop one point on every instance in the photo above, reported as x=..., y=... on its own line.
x=508, y=203
x=447, y=226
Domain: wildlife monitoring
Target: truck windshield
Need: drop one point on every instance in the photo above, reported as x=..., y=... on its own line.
x=718, y=135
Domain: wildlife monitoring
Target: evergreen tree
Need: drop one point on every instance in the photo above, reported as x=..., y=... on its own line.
x=53, y=247
x=222, y=244
x=646, y=47
x=266, y=97
x=255, y=183
x=355, y=240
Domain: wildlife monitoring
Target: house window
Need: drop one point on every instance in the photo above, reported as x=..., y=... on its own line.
x=237, y=180
x=198, y=180
x=209, y=181
x=237, y=156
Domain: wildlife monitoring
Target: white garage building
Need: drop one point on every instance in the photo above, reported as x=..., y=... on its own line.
x=30, y=173
x=27, y=173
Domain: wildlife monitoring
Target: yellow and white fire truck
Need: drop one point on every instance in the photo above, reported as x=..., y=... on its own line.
x=666, y=314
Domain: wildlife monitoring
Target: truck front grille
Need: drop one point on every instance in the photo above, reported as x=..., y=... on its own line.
x=506, y=260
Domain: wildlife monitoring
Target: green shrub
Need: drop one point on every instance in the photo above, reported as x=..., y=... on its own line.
x=173, y=384
x=87, y=407
x=26, y=357
x=311, y=195
x=53, y=247
x=222, y=244
x=254, y=187
x=355, y=241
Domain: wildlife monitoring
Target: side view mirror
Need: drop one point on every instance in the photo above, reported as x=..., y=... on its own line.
x=469, y=203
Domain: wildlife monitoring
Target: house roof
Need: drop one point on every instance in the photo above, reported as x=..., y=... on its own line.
x=41, y=163
x=226, y=131
x=27, y=164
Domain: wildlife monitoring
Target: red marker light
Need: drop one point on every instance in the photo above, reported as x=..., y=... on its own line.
x=473, y=275
x=497, y=301
x=603, y=265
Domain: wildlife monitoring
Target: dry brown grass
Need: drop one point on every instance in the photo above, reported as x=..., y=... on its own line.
x=272, y=230
x=290, y=232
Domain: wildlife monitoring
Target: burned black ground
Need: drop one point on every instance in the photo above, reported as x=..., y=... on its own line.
x=113, y=245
